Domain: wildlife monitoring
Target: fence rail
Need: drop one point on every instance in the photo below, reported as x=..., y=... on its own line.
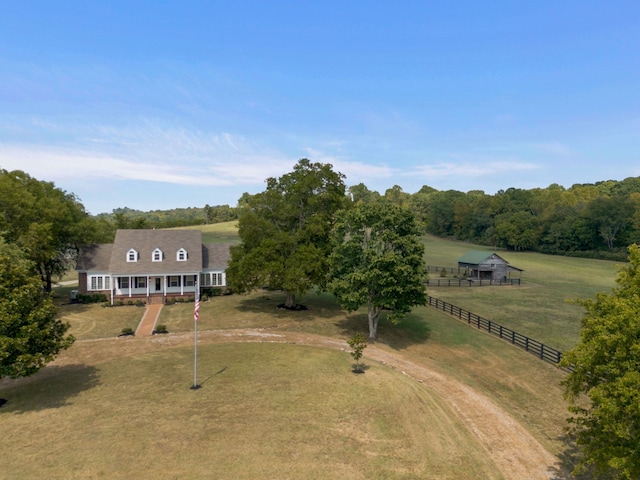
x=461, y=282
x=539, y=349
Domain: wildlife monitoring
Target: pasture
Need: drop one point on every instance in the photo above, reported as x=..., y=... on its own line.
x=544, y=306
x=122, y=408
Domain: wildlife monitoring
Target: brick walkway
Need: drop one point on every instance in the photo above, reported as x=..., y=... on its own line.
x=149, y=319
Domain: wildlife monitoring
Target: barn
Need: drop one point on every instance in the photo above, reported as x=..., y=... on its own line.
x=486, y=265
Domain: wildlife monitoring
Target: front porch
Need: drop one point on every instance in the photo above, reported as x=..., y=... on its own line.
x=153, y=288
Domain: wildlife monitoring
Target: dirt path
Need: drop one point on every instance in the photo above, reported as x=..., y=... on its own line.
x=517, y=454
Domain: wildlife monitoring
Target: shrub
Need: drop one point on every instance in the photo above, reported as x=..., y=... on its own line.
x=126, y=331
x=161, y=329
x=91, y=298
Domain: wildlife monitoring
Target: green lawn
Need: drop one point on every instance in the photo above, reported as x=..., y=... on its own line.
x=217, y=232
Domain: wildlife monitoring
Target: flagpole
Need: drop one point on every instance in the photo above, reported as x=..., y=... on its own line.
x=196, y=314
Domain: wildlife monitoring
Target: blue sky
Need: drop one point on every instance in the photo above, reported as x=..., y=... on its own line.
x=164, y=104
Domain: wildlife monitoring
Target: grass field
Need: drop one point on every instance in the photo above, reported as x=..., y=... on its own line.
x=543, y=307
x=265, y=411
x=217, y=232
x=121, y=408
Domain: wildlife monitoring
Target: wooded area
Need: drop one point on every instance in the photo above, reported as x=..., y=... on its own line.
x=590, y=220
x=596, y=220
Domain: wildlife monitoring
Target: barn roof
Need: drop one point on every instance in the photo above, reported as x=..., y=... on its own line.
x=478, y=257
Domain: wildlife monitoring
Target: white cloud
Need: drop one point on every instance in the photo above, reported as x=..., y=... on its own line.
x=55, y=164
x=355, y=172
x=474, y=169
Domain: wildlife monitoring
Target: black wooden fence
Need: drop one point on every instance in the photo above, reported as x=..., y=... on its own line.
x=462, y=282
x=539, y=349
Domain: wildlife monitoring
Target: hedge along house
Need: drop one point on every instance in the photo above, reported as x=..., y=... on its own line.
x=487, y=266
x=152, y=265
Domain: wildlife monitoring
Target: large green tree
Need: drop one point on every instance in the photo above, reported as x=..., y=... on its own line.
x=377, y=261
x=49, y=224
x=606, y=370
x=30, y=334
x=284, y=231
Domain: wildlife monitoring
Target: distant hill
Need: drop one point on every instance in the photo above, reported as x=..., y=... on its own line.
x=177, y=217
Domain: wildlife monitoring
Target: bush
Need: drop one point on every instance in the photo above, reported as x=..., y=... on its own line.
x=160, y=329
x=91, y=298
x=126, y=331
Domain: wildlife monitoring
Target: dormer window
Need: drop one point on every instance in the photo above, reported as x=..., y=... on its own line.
x=156, y=255
x=132, y=255
x=181, y=256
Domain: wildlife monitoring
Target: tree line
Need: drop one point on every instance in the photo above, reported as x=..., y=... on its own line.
x=596, y=220
x=177, y=217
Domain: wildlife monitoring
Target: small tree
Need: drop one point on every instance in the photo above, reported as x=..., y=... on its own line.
x=377, y=260
x=358, y=343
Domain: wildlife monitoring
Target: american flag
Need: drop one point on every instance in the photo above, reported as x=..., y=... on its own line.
x=196, y=310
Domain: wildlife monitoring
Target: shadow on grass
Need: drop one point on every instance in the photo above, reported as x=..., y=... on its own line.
x=569, y=458
x=52, y=387
x=318, y=305
x=222, y=370
x=411, y=330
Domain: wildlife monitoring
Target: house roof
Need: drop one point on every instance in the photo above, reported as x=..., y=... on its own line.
x=144, y=242
x=216, y=256
x=95, y=257
x=476, y=257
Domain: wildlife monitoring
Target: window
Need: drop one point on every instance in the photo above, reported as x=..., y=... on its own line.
x=99, y=282
x=174, y=281
x=181, y=256
x=132, y=255
x=96, y=283
x=123, y=282
x=140, y=282
x=216, y=279
x=205, y=280
x=189, y=281
x=157, y=255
